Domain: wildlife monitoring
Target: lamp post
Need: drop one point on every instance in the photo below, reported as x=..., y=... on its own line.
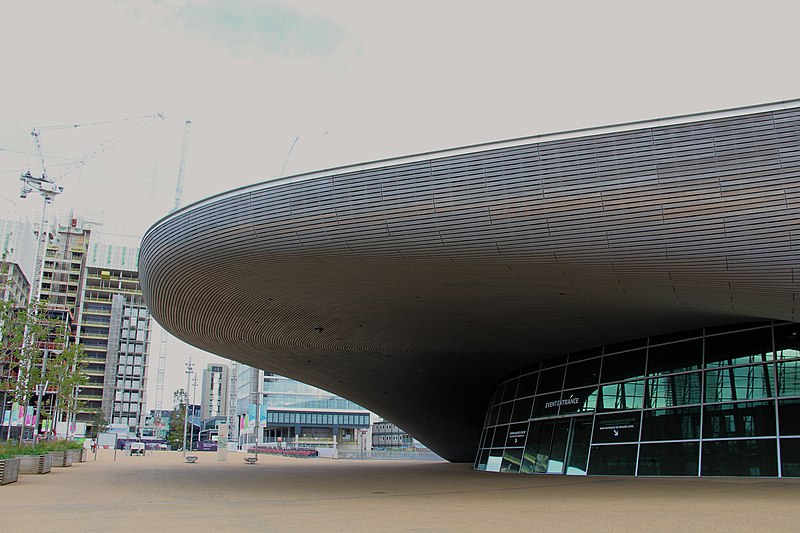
x=76, y=392
x=189, y=367
x=194, y=399
x=40, y=389
x=258, y=409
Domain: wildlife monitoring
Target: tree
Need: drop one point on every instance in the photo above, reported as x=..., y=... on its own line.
x=25, y=331
x=98, y=423
x=176, y=419
x=36, y=356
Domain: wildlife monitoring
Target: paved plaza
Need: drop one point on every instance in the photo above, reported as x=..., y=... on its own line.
x=160, y=492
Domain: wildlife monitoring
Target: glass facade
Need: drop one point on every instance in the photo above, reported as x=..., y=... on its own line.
x=714, y=402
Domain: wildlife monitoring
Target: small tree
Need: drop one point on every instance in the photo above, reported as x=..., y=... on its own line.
x=66, y=374
x=98, y=423
x=177, y=417
x=24, y=330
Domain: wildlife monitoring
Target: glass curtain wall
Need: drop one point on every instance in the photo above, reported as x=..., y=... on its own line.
x=713, y=402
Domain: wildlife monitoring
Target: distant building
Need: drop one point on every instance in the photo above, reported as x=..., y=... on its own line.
x=387, y=435
x=214, y=400
x=17, y=257
x=293, y=412
x=156, y=424
x=114, y=327
x=91, y=280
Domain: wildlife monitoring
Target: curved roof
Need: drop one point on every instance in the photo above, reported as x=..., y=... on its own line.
x=412, y=285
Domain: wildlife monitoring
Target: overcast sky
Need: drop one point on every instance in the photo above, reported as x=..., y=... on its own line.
x=355, y=81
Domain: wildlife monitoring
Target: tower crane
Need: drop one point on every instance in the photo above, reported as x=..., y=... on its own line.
x=187, y=129
x=162, y=352
x=47, y=187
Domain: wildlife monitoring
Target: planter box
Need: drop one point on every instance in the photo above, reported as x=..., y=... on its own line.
x=9, y=470
x=77, y=456
x=35, y=464
x=61, y=458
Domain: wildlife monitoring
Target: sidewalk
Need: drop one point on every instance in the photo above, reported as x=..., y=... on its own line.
x=161, y=492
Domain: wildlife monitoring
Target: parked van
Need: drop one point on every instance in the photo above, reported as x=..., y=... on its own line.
x=137, y=448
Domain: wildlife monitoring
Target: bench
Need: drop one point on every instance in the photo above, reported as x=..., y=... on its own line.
x=191, y=458
x=250, y=460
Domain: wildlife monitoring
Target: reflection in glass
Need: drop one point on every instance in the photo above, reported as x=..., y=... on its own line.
x=732, y=404
x=616, y=428
x=579, y=447
x=787, y=341
x=511, y=460
x=480, y=464
x=669, y=459
x=669, y=391
x=754, y=346
x=613, y=460
x=789, y=416
x=789, y=378
x=790, y=457
x=555, y=464
x=494, y=461
x=740, y=383
x=744, y=419
x=537, y=448
x=621, y=396
x=675, y=357
x=740, y=458
x=546, y=405
x=626, y=365
x=579, y=401
x=671, y=424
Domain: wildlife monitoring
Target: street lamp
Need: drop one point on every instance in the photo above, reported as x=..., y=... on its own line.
x=189, y=367
x=194, y=399
x=76, y=391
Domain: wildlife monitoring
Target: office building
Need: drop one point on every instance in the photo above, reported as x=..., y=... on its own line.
x=214, y=396
x=294, y=413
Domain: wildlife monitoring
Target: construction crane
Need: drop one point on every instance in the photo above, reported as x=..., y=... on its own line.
x=162, y=352
x=187, y=129
x=47, y=187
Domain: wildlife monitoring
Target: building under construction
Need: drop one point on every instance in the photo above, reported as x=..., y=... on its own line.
x=92, y=277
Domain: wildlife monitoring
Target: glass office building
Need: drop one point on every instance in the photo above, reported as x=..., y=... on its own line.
x=712, y=402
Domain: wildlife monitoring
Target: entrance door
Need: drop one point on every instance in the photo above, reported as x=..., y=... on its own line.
x=578, y=448
x=570, y=446
x=559, y=446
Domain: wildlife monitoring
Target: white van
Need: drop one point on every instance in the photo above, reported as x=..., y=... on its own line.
x=137, y=448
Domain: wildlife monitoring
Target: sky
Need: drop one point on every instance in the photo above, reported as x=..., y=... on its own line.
x=277, y=88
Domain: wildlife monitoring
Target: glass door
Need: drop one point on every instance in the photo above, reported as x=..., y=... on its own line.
x=580, y=436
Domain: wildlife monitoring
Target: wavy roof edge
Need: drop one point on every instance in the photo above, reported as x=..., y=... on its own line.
x=490, y=145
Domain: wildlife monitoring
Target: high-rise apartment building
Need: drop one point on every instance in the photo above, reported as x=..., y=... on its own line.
x=214, y=400
x=115, y=327
x=94, y=275
x=17, y=257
